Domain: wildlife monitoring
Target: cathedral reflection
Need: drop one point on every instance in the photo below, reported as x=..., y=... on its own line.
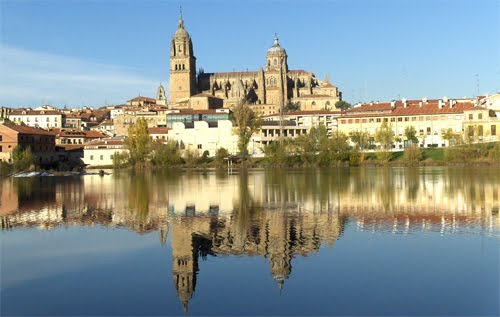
x=275, y=214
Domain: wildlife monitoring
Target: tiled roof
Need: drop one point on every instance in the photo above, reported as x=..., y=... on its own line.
x=312, y=112
x=19, y=112
x=71, y=147
x=28, y=130
x=114, y=141
x=158, y=130
x=140, y=98
x=298, y=72
x=413, y=109
x=94, y=134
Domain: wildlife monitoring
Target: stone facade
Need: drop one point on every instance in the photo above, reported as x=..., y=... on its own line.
x=268, y=88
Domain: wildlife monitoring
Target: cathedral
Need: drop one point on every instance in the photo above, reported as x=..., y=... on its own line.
x=266, y=90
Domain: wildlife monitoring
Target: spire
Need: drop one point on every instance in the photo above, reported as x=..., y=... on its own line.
x=185, y=306
x=276, y=41
x=181, y=22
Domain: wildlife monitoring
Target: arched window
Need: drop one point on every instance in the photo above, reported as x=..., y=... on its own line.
x=180, y=48
x=175, y=66
x=183, y=66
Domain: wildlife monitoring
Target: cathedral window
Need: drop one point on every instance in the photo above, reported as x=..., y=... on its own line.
x=175, y=66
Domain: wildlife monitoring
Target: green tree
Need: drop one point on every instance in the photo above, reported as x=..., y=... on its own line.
x=385, y=136
x=165, y=154
x=276, y=153
x=361, y=139
x=342, y=105
x=339, y=146
x=221, y=155
x=120, y=159
x=138, y=142
x=411, y=135
x=247, y=124
x=291, y=106
x=23, y=159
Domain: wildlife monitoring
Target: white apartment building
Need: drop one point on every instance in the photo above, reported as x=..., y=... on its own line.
x=100, y=152
x=44, y=119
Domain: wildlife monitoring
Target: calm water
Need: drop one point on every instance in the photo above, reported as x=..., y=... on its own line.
x=381, y=241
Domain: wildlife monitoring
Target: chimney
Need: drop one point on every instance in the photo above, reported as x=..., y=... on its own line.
x=451, y=104
x=404, y=102
x=424, y=100
x=420, y=104
x=393, y=104
x=440, y=104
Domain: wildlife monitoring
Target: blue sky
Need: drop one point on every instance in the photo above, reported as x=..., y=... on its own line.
x=94, y=52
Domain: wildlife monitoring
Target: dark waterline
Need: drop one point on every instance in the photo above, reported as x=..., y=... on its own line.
x=366, y=241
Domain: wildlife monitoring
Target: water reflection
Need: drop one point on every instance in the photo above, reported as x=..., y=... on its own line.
x=275, y=214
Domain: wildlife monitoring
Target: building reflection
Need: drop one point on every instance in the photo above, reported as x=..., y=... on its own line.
x=275, y=214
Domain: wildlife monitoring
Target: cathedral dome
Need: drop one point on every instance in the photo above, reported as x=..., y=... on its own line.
x=276, y=48
x=181, y=31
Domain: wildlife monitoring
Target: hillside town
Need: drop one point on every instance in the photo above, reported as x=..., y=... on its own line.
x=199, y=115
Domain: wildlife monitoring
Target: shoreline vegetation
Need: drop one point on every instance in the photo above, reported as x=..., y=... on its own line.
x=316, y=149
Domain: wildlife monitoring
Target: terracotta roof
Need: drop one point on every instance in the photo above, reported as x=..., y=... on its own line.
x=114, y=141
x=410, y=110
x=158, y=130
x=140, y=98
x=94, y=134
x=477, y=108
x=312, y=112
x=35, y=112
x=28, y=130
x=71, y=147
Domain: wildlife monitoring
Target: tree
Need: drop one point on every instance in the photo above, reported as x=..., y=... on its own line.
x=165, y=154
x=361, y=139
x=411, y=135
x=23, y=159
x=291, y=106
x=247, y=124
x=138, y=142
x=385, y=136
x=342, y=105
x=120, y=159
x=221, y=155
x=451, y=137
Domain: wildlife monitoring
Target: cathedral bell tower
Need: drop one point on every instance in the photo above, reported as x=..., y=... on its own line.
x=182, y=65
x=276, y=74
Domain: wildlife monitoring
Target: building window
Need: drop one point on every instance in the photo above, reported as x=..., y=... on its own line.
x=1, y=138
x=480, y=130
x=199, y=146
x=471, y=116
x=91, y=157
x=480, y=116
x=379, y=120
x=102, y=157
x=400, y=119
x=493, y=130
x=428, y=130
x=1, y=149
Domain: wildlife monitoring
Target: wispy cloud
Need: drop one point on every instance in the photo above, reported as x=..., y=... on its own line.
x=35, y=78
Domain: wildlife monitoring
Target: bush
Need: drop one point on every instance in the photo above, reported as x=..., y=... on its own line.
x=221, y=155
x=412, y=155
x=355, y=157
x=23, y=159
x=5, y=168
x=384, y=156
x=494, y=153
x=120, y=159
x=191, y=157
x=165, y=154
x=276, y=153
